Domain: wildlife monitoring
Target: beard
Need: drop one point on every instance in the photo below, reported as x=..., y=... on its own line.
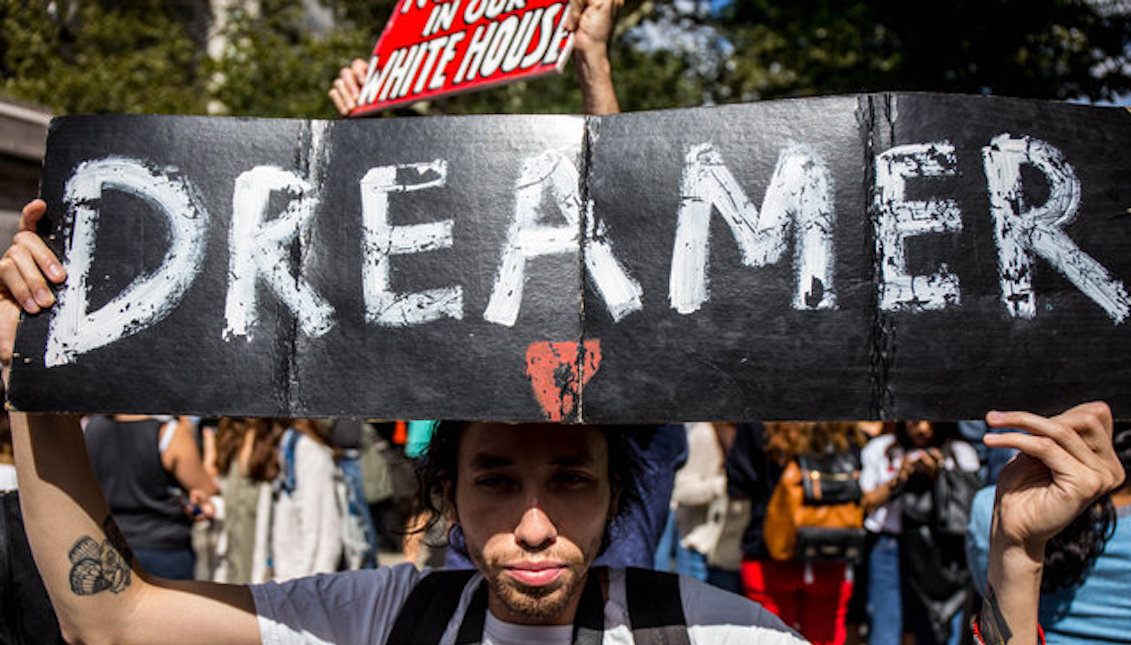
x=537, y=604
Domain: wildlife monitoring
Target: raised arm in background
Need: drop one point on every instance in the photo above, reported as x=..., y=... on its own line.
x=591, y=22
x=99, y=593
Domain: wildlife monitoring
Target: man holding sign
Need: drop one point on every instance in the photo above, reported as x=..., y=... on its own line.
x=534, y=504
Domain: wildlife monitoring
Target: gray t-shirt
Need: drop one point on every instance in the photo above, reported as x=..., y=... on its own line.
x=361, y=607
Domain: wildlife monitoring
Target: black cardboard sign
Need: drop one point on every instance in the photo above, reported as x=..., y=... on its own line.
x=871, y=256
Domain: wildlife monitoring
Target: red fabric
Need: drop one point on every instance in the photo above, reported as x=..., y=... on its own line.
x=400, y=433
x=975, y=626
x=815, y=607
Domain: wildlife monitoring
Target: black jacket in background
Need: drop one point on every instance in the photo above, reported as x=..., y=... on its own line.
x=751, y=474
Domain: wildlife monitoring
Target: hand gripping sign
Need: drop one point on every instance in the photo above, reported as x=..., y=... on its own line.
x=433, y=48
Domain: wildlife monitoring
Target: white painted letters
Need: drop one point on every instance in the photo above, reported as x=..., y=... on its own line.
x=258, y=247
x=801, y=188
x=382, y=240
x=149, y=298
x=899, y=219
x=529, y=238
x=1021, y=229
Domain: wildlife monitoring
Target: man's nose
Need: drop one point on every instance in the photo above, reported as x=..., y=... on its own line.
x=535, y=530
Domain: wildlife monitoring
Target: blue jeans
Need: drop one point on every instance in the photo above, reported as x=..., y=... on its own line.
x=885, y=594
x=687, y=562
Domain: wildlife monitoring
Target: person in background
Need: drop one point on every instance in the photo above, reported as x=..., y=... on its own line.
x=1087, y=565
x=700, y=480
x=151, y=472
x=892, y=462
x=247, y=458
x=297, y=523
x=856, y=618
x=810, y=595
x=660, y=450
x=392, y=513
x=346, y=435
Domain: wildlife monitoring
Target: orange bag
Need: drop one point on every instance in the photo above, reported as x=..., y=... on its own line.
x=794, y=529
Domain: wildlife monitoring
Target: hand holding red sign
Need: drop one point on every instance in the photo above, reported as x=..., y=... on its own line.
x=347, y=86
x=431, y=48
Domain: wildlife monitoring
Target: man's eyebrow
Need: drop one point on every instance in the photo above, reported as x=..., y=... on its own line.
x=582, y=459
x=486, y=461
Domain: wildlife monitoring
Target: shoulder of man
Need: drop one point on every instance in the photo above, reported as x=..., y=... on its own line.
x=347, y=607
x=714, y=615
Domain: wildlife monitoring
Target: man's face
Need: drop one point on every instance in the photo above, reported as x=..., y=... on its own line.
x=533, y=501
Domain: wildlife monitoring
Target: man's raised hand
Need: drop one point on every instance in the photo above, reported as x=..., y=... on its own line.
x=22, y=276
x=1066, y=463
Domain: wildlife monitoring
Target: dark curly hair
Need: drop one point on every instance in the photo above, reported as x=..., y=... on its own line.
x=1070, y=554
x=437, y=469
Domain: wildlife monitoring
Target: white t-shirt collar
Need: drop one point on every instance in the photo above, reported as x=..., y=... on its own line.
x=497, y=632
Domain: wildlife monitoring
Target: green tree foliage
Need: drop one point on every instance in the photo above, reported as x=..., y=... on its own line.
x=79, y=57
x=151, y=56
x=274, y=64
x=1052, y=49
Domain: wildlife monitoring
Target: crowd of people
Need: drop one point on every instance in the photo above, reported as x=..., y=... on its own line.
x=848, y=532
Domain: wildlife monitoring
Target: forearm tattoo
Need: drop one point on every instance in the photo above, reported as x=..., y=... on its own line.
x=102, y=567
x=991, y=623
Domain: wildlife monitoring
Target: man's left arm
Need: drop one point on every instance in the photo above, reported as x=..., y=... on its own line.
x=1065, y=463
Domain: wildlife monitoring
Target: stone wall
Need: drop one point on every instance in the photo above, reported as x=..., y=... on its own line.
x=23, y=133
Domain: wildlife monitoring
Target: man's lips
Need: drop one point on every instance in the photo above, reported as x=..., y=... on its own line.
x=535, y=574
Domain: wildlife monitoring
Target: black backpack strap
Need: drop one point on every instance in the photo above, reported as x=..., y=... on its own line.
x=471, y=629
x=655, y=610
x=655, y=607
x=430, y=607
x=589, y=623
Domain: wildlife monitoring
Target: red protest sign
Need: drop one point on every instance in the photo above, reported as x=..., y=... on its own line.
x=431, y=48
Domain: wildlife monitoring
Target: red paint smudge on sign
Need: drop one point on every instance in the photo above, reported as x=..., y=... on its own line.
x=559, y=371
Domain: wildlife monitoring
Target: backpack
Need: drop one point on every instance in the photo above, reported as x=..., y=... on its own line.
x=932, y=543
x=655, y=609
x=815, y=512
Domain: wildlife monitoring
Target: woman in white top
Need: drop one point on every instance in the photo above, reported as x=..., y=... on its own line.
x=888, y=463
x=298, y=530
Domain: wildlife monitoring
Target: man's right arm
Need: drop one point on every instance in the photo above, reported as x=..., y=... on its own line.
x=99, y=593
